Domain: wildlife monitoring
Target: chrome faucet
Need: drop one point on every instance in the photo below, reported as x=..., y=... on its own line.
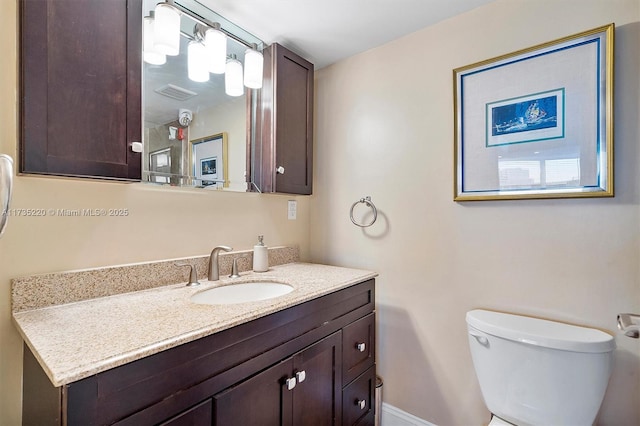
x=214, y=267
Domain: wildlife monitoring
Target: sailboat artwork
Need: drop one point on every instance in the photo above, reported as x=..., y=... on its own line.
x=524, y=116
x=530, y=118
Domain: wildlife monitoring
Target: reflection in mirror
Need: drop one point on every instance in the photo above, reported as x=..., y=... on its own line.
x=195, y=133
x=209, y=165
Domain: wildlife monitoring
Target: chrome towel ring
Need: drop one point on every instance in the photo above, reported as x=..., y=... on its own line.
x=366, y=200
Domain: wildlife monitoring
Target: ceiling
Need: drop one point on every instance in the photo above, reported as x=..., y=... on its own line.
x=326, y=31
x=322, y=31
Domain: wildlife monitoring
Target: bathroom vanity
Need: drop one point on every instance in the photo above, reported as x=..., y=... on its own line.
x=156, y=357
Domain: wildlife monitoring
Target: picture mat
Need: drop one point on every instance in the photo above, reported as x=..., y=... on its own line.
x=571, y=68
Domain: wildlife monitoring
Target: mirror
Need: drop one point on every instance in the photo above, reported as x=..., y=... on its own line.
x=194, y=133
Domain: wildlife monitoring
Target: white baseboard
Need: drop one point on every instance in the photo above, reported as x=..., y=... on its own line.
x=392, y=416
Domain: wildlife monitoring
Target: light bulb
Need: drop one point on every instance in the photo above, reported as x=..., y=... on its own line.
x=149, y=54
x=167, y=30
x=233, y=77
x=216, y=43
x=197, y=62
x=253, y=65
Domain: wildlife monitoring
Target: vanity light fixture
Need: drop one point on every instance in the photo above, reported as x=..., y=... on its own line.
x=150, y=55
x=207, y=50
x=253, y=67
x=216, y=43
x=233, y=77
x=197, y=62
x=167, y=29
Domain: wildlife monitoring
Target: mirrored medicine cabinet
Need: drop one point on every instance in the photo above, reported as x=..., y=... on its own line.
x=114, y=116
x=194, y=133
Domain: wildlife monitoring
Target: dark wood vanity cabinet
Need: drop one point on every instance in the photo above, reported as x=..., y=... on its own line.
x=284, y=123
x=304, y=365
x=80, y=87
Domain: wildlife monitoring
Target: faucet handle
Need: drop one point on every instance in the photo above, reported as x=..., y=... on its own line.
x=234, y=266
x=193, y=274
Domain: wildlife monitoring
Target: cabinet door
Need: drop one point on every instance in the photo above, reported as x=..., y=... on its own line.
x=317, y=398
x=311, y=397
x=285, y=124
x=200, y=415
x=262, y=400
x=80, y=87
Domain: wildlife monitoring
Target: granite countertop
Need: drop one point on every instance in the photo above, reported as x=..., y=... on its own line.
x=76, y=340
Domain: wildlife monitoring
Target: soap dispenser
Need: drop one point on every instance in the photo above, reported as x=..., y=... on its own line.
x=260, y=256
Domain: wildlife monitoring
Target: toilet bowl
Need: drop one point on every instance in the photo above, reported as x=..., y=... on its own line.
x=539, y=372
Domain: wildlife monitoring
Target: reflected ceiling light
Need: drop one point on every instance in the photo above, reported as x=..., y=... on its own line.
x=216, y=43
x=233, y=77
x=150, y=55
x=197, y=64
x=253, y=66
x=167, y=29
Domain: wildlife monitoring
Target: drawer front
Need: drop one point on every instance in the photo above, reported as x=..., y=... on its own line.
x=358, y=347
x=358, y=400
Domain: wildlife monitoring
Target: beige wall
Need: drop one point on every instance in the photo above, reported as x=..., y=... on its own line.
x=384, y=128
x=161, y=224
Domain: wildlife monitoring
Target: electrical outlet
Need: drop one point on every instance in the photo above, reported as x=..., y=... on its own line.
x=292, y=209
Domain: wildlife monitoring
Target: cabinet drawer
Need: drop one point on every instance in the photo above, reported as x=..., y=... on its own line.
x=358, y=400
x=358, y=347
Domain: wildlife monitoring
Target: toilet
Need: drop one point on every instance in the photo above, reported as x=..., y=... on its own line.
x=539, y=372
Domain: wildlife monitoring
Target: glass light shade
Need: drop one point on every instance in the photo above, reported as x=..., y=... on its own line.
x=233, y=78
x=216, y=43
x=253, y=65
x=149, y=54
x=197, y=62
x=166, y=30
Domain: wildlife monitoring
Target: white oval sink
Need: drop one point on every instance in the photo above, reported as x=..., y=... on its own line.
x=241, y=293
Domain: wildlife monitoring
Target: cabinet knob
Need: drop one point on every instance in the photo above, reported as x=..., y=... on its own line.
x=291, y=383
x=136, y=146
x=280, y=170
x=361, y=403
x=301, y=375
x=361, y=347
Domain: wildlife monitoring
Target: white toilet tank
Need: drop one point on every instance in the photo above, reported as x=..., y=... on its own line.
x=539, y=372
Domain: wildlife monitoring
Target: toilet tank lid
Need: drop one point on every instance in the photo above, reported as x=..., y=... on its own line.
x=540, y=332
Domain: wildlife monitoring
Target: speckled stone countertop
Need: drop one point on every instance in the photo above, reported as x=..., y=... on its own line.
x=76, y=340
x=39, y=291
